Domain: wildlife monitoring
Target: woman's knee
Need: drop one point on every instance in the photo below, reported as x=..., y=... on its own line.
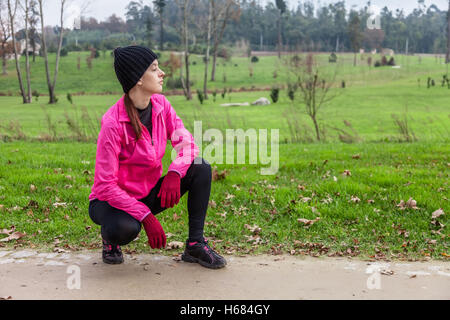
x=121, y=231
x=202, y=167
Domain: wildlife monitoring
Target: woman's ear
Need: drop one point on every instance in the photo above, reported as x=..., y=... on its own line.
x=140, y=83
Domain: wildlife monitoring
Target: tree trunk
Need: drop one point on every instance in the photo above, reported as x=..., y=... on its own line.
x=186, y=50
x=214, y=29
x=161, y=30
x=316, y=126
x=58, y=53
x=183, y=84
x=44, y=52
x=16, y=58
x=205, y=87
x=27, y=58
x=279, y=34
x=4, y=61
x=447, y=59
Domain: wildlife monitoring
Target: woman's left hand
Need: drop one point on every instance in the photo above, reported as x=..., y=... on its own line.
x=170, y=190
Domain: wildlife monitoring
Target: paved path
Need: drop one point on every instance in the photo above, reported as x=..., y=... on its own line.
x=28, y=274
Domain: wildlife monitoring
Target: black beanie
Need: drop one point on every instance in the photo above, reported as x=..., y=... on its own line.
x=130, y=63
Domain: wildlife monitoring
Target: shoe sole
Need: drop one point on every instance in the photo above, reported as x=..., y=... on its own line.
x=112, y=261
x=191, y=259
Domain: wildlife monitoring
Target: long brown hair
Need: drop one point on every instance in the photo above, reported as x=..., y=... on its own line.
x=133, y=115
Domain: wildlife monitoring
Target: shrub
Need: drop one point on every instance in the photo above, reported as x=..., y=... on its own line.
x=332, y=58
x=254, y=59
x=377, y=64
x=224, y=53
x=274, y=94
x=295, y=60
x=384, y=61
x=64, y=52
x=291, y=90
x=200, y=96
x=36, y=94
x=214, y=95
x=391, y=62
x=175, y=83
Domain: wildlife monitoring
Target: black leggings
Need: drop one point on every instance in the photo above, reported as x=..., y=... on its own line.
x=119, y=227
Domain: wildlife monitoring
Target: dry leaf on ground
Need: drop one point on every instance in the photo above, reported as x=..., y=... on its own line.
x=307, y=222
x=175, y=245
x=14, y=236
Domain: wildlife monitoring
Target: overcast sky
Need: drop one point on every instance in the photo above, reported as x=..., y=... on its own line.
x=101, y=9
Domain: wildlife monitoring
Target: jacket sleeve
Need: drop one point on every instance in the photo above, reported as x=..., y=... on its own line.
x=106, y=174
x=181, y=139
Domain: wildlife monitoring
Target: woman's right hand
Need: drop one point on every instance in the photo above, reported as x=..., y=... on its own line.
x=154, y=231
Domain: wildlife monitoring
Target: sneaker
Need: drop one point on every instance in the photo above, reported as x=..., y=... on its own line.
x=202, y=253
x=112, y=254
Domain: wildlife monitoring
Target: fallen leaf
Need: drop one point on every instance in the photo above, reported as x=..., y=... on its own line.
x=254, y=229
x=212, y=204
x=216, y=175
x=436, y=214
x=355, y=199
x=307, y=222
x=346, y=173
x=356, y=156
x=174, y=245
x=14, y=236
x=32, y=187
x=411, y=203
x=60, y=204
x=387, y=272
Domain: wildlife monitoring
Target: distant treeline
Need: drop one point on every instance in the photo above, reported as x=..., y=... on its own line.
x=307, y=28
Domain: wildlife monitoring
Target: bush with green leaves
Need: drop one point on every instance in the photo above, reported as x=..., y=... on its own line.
x=200, y=96
x=254, y=59
x=64, y=52
x=274, y=92
x=332, y=58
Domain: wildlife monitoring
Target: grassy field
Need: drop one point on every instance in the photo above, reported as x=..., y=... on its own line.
x=101, y=78
x=350, y=194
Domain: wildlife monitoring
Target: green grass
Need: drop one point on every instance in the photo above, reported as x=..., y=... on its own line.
x=386, y=173
x=101, y=78
x=386, y=170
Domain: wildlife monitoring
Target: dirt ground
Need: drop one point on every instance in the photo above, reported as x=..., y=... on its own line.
x=28, y=274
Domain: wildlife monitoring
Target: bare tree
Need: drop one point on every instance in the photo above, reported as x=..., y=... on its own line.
x=222, y=13
x=281, y=6
x=205, y=25
x=5, y=33
x=12, y=16
x=33, y=20
x=26, y=8
x=447, y=59
x=314, y=87
x=186, y=7
x=160, y=4
x=51, y=84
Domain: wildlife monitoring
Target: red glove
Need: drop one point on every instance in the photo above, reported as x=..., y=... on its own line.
x=154, y=231
x=170, y=190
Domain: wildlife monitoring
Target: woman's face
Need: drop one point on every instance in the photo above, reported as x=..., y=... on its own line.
x=152, y=79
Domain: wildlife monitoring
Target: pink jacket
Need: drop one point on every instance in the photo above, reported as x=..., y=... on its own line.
x=125, y=169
